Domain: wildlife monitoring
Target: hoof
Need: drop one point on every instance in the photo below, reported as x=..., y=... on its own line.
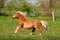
x=14, y=34
x=40, y=34
x=31, y=34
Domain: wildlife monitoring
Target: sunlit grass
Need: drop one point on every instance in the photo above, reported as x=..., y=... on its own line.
x=8, y=25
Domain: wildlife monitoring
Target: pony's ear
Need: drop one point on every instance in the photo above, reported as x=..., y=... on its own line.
x=25, y=13
x=18, y=12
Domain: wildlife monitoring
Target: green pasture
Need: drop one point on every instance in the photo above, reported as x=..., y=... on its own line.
x=33, y=11
x=8, y=25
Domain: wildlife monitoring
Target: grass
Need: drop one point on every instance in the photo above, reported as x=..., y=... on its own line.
x=8, y=25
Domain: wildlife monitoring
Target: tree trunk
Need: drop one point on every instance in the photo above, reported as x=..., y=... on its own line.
x=53, y=16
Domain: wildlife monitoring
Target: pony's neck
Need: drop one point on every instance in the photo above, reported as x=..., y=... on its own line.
x=22, y=18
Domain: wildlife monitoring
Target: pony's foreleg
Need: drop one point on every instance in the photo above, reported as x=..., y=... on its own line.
x=33, y=30
x=17, y=28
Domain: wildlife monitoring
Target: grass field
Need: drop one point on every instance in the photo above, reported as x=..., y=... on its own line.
x=8, y=25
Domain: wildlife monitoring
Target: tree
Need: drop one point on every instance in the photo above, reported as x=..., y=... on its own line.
x=19, y=5
x=1, y=4
x=48, y=7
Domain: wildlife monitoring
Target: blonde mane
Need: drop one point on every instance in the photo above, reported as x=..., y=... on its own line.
x=23, y=13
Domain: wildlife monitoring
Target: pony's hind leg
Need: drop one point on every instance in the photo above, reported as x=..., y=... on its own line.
x=37, y=27
x=33, y=30
x=40, y=31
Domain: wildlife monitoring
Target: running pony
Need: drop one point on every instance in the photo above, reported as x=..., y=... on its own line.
x=28, y=24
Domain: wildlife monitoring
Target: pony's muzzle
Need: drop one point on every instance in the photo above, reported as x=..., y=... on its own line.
x=13, y=17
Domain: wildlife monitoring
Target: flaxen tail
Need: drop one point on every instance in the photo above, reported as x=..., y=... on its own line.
x=44, y=24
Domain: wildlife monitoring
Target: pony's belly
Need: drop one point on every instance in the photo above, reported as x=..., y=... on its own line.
x=27, y=26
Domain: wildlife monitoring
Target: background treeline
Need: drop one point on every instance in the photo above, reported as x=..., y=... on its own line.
x=37, y=8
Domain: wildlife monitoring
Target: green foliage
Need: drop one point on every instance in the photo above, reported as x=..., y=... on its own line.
x=22, y=5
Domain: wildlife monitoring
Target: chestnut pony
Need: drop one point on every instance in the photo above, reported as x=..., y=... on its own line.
x=28, y=24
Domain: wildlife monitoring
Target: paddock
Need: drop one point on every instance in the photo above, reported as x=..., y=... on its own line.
x=8, y=25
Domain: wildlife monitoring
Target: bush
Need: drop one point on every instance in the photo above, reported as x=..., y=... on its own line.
x=7, y=13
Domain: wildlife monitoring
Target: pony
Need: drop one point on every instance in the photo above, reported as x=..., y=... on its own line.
x=28, y=24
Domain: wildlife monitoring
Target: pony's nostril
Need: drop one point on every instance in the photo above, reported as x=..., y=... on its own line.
x=12, y=17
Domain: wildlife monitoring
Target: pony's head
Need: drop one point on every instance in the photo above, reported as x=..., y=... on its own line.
x=18, y=14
